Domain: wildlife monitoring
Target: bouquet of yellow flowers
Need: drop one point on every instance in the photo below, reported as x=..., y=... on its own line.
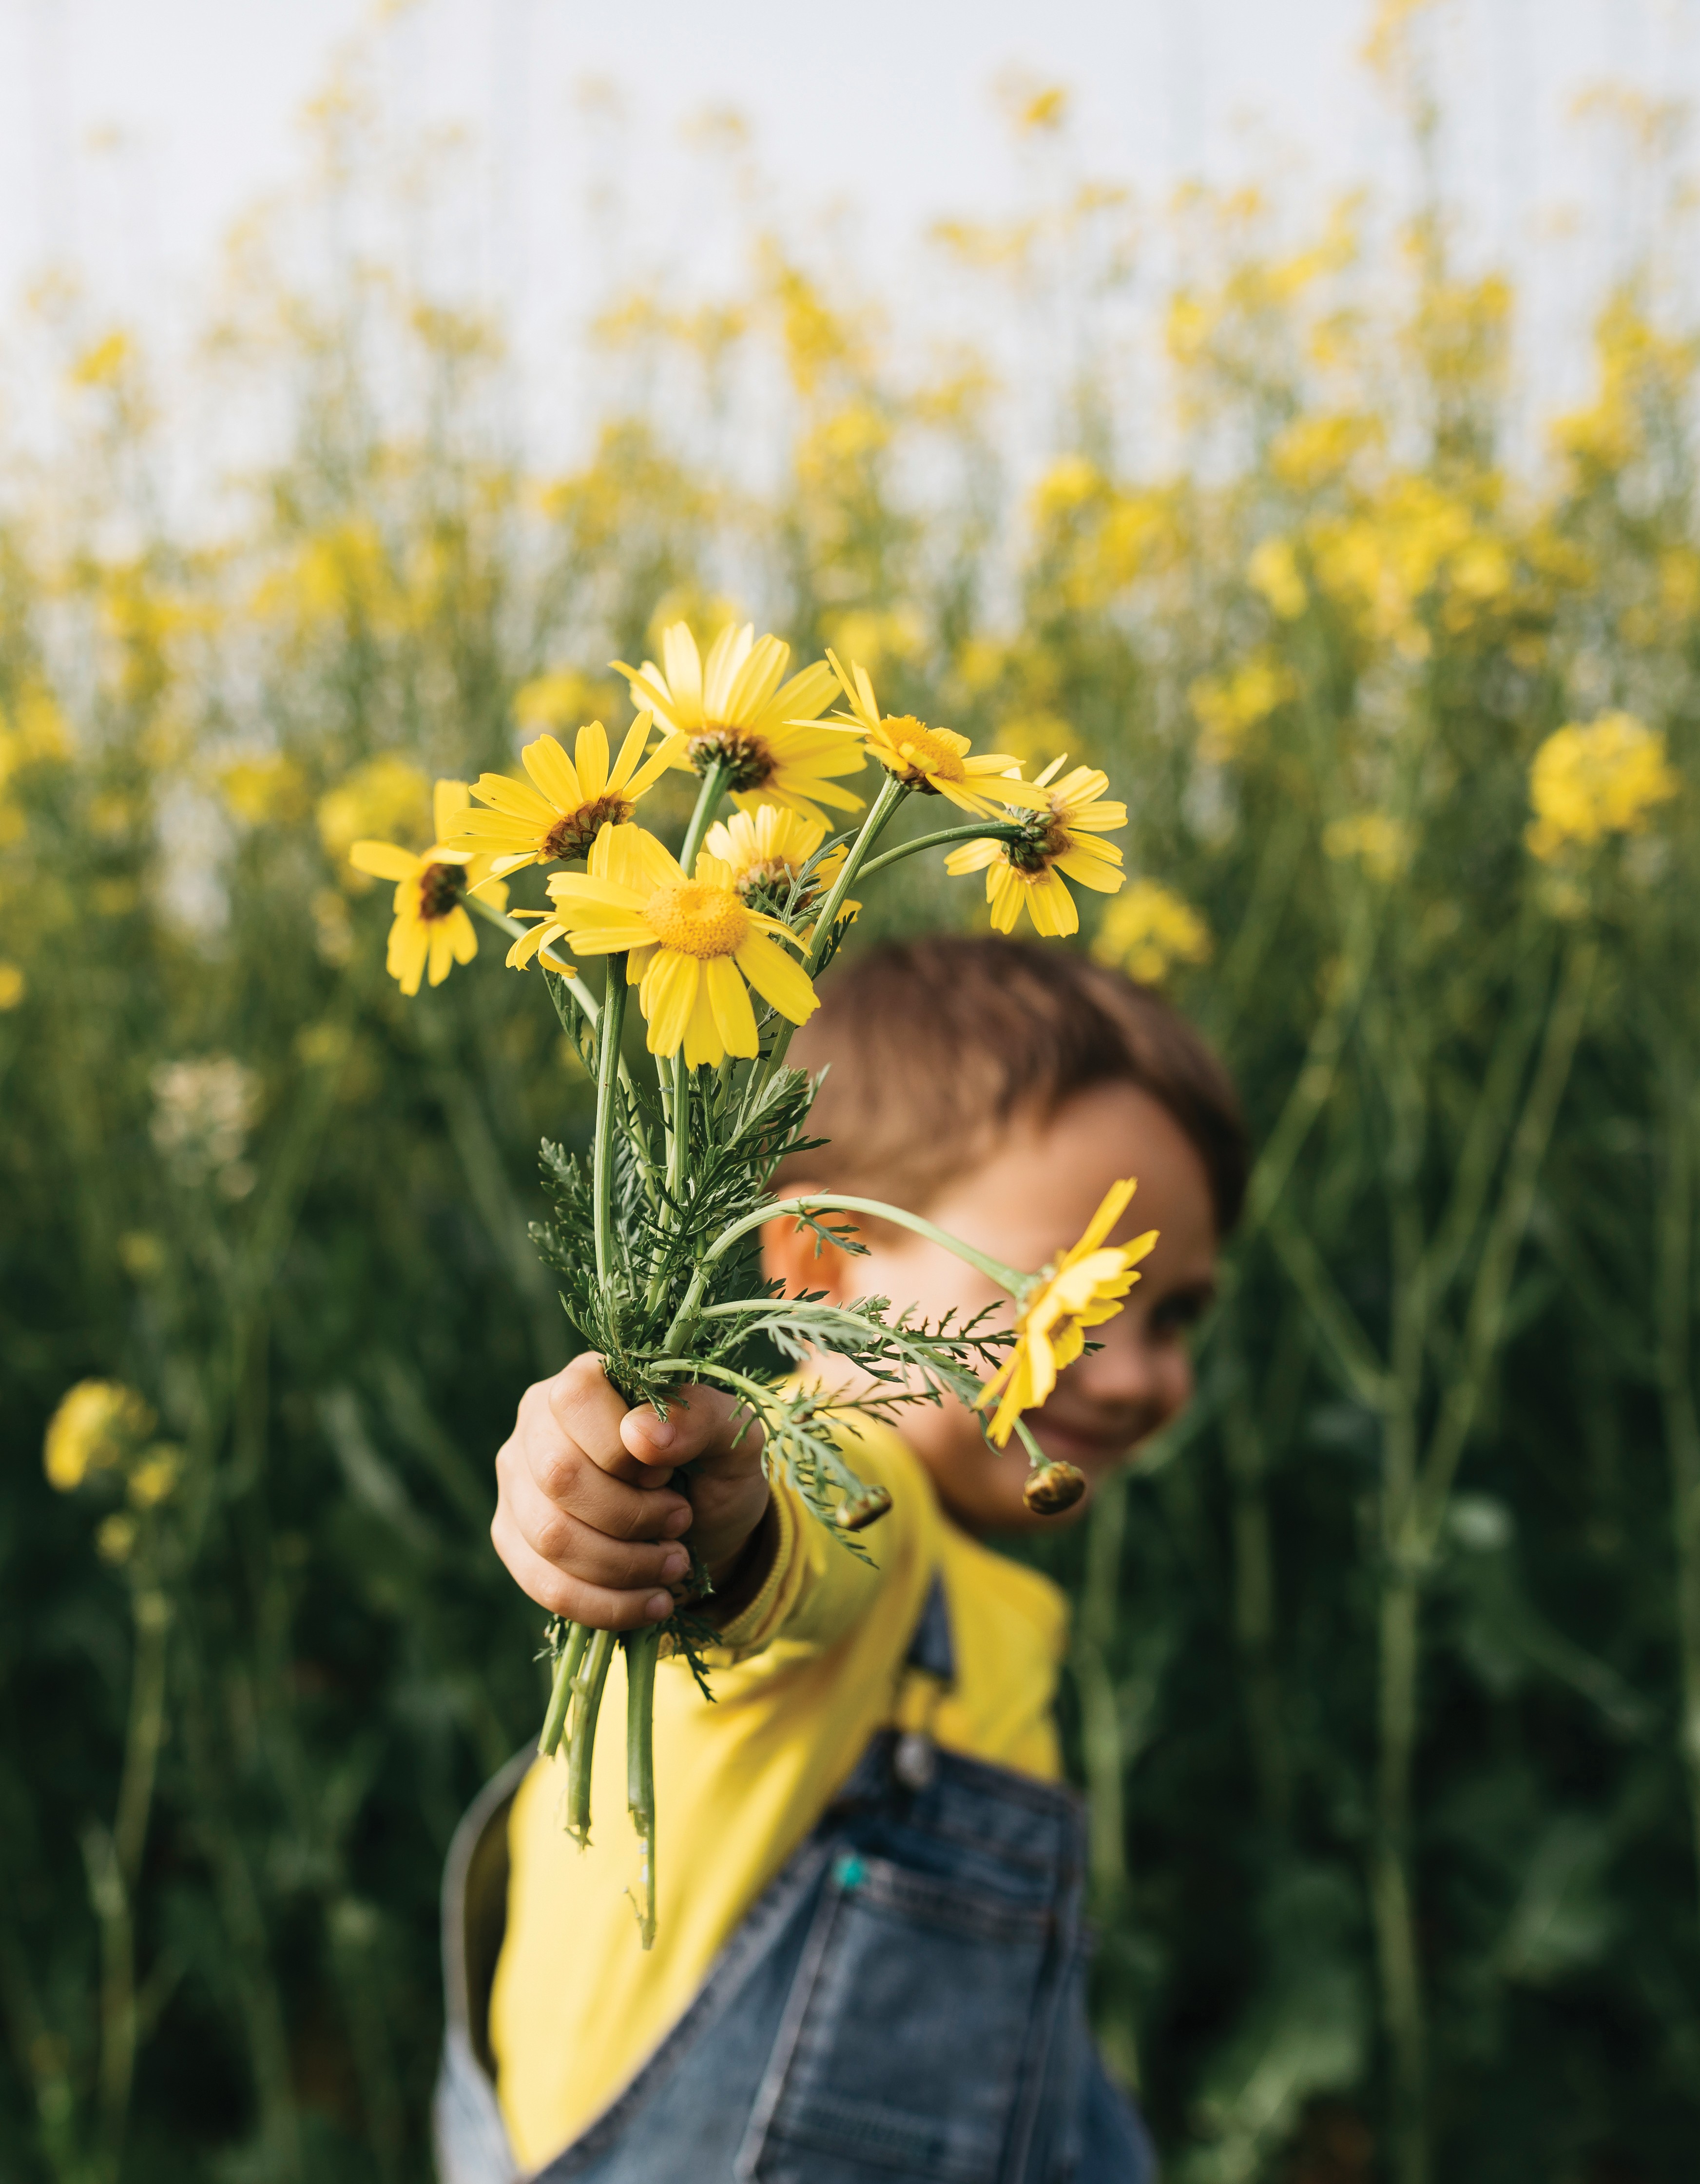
x=655, y=1239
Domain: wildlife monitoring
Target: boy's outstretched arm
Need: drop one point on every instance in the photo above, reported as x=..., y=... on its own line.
x=586, y=1520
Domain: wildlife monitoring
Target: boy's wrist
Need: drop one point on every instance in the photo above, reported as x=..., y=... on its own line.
x=738, y=1575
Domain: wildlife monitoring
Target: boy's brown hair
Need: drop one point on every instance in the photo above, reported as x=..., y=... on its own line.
x=934, y=1047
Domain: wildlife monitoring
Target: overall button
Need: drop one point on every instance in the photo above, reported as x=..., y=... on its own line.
x=915, y=1760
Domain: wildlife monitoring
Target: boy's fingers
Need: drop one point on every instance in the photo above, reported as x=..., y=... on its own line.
x=562, y=1477
x=699, y=1422
x=582, y=1547
x=583, y=1406
x=599, y=1606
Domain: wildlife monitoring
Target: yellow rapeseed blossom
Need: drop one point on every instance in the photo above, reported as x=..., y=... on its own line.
x=570, y=802
x=936, y=760
x=1149, y=931
x=12, y=986
x=1274, y=570
x=732, y=710
x=261, y=791
x=97, y=1424
x=1084, y=1289
x=1229, y=706
x=115, y=1539
x=384, y=797
x=154, y=1477
x=1059, y=837
x=431, y=929
x=1374, y=839
x=1587, y=782
x=691, y=943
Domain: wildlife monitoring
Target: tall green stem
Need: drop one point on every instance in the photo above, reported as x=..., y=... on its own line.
x=891, y=794
x=990, y=830
x=1674, y=1242
x=587, y=1687
x=1008, y=1278
x=642, y=1651
x=567, y=1661
x=707, y=801
x=607, y=1080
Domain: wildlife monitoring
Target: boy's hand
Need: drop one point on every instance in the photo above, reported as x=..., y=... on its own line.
x=585, y=1520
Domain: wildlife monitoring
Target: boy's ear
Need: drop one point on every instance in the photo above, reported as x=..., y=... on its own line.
x=795, y=1254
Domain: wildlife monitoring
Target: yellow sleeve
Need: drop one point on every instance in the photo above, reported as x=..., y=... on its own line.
x=818, y=1586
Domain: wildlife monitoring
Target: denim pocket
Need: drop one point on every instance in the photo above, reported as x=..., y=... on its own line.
x=902, y=2052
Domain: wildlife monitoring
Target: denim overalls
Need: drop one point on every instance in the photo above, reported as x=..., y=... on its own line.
x=904, y=2004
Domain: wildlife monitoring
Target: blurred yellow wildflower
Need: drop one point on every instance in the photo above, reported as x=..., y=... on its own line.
x=892, y=634
x=1150, y=930
x=1071, y=482
x=384, y=796
x=571, y=801
x=561, y=697
x=98, y=1423
x=14, y=986
x=1587, y=782
x=431, y=929
x=690, y=945
x=1229, y=706
x=732, y=710
x=1084, y=1289
x=936, y=760
x=1274, y=570
x=258, y=790
x=115, y=1539
x=1316, y=451
x=153, y=1479
x=1374, y=839
x=103, y=362
x=1058, y=837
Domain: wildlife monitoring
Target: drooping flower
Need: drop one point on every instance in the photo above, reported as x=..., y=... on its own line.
x=1058, y=837
x=936, y=760
x=767, y=851
x=691, y=943
x=732, y=710
x=571, y=801
x=431, y=929
x=1084, y=1289
x=1588, y=783
x=97, y=1424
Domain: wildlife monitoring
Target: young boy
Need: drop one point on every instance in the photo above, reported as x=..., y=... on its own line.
x=870, y=1962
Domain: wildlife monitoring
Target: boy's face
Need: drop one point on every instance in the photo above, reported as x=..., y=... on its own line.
x=1025, y=1205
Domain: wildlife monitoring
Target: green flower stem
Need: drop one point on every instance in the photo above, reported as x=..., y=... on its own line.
x=707, y=802
x=891, y=794
x=607, y=1077
x=998, y=833
x=587, y=1688
x=642, y=1651
x=561, y=1690
x=1007, y=1277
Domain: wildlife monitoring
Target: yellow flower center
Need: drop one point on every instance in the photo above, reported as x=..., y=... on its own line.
x=924, y=752
x=696, y=918
x=573, y=835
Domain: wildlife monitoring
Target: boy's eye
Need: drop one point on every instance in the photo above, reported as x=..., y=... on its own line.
x=1178, y=1312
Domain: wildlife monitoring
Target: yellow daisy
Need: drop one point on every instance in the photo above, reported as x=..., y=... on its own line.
x=431, y=928
x=935, y=760
x=1084, y=1289
x=1058, y=837
x=691, y=944
x=571, y=801
x=766, y=850
x=733, y=708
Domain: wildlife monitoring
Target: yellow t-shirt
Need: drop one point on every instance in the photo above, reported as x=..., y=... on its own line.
x=804, y=1676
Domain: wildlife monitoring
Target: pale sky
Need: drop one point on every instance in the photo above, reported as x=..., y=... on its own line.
x=133, y=132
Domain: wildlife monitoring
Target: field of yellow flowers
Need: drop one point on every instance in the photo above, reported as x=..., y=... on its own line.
x=1386, y=1680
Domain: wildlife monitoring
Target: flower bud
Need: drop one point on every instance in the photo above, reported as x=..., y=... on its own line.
x=1053, y=1488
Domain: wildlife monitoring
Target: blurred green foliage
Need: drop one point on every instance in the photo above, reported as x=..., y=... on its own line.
x=1387, y=1677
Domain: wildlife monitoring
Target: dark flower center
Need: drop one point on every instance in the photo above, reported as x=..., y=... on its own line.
x=572, y=837
x=748, y=762
x=440, y=888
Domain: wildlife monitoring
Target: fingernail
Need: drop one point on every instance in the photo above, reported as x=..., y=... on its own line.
x=659, y=1434
x=678, y=1523
x=657, y=1608
x=675, y=1565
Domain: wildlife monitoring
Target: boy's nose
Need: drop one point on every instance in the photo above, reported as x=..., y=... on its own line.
x=1130, y=1371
